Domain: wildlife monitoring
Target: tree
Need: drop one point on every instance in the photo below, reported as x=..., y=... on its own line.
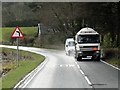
x=67, y=18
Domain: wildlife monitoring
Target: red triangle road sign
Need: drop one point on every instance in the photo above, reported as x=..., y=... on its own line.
x=17, y=33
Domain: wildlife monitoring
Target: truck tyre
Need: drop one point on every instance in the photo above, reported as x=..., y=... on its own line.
x=78, y=59
x=98, y=59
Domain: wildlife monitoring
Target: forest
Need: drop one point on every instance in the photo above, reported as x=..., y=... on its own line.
x=65, y=19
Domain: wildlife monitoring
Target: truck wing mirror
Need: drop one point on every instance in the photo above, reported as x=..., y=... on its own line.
x=74, y=38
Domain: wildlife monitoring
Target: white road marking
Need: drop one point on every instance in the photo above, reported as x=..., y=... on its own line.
x=88, y=80
x=24, y=82
x=75, y=62
x=110, y=65
x=61, y=65
x=71, y=65
x=78, y=66
x=67, y=65
x=82, y=72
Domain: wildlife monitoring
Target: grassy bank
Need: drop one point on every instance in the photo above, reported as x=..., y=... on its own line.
x=29, y=33
x=114, y=61
x=28, y=61
x=112, y=56
x=48, y=40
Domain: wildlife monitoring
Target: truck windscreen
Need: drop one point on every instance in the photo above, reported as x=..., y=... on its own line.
x=88, y=39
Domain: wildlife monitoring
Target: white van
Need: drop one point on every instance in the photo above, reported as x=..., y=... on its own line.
x=69, y=46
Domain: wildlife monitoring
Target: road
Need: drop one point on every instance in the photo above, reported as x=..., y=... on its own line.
x=63, y=71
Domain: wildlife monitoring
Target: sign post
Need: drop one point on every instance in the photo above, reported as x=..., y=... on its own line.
x=18, y=52
x=17, y=34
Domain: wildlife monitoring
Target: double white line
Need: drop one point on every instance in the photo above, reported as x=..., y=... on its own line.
x=24, y=82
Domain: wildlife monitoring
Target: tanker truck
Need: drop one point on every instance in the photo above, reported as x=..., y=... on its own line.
x=87, y=45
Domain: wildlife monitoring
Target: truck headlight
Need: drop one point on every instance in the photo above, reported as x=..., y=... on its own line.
x=97, y=51
x=80, y=52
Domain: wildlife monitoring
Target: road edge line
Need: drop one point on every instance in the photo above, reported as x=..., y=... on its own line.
x=30, y=75
x=110, y=65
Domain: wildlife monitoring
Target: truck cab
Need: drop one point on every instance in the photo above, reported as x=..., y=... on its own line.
x=87, y=45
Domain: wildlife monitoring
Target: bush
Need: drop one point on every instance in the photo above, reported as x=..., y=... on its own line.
x=111, y=53
x=107, y=40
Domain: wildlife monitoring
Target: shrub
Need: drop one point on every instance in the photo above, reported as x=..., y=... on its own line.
x=111, y=53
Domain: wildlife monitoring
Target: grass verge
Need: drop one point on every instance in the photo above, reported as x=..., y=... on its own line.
x=112, y=56
x=7, y=32
x=114, y=62
x=25, y=66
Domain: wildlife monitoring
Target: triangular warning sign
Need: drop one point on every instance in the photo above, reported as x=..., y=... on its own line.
x=17, y=33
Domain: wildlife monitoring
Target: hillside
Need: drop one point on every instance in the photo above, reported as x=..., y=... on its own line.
x=28, y=32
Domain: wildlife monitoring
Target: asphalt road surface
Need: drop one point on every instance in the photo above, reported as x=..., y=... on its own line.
x=62, y=71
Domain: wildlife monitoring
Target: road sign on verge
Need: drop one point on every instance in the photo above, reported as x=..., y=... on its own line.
x=17, y=33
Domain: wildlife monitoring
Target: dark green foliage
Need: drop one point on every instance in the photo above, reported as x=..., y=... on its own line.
x=67, y=18
x=111, y=53
x=112, y=56
x=107, y=40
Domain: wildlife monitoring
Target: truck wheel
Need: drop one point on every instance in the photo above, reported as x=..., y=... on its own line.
x=78, y=59
x=98, y=59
